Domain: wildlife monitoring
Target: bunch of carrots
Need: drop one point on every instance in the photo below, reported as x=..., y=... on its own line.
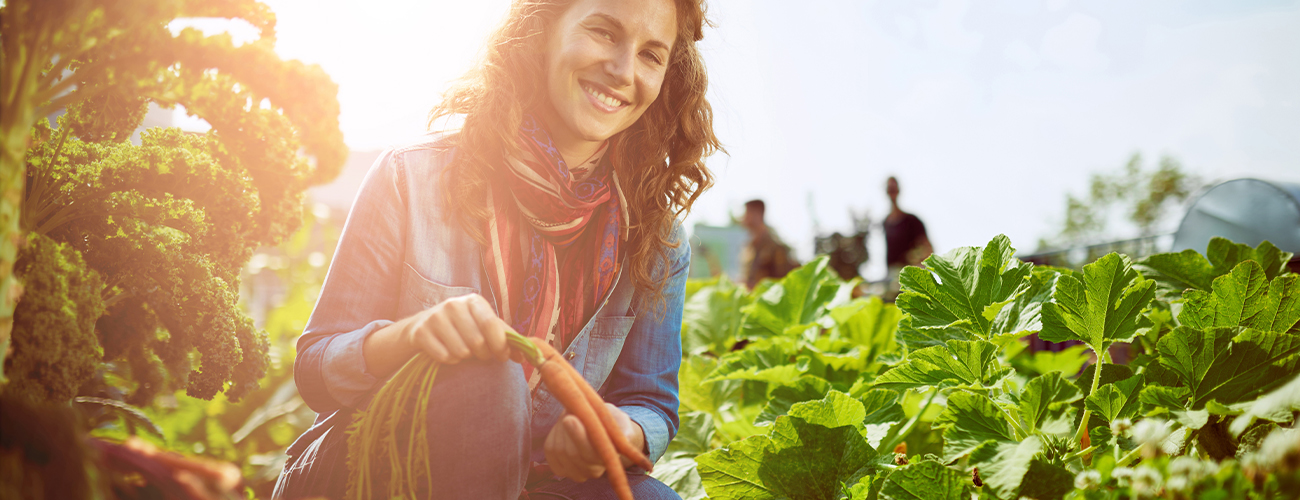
x=393, y=430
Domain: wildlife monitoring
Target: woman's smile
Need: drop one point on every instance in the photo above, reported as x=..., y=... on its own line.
x=603, y=100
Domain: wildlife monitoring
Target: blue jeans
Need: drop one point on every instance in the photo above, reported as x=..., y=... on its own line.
x=479, y=434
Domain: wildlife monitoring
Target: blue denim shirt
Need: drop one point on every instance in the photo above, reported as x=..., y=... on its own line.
x=400, y=253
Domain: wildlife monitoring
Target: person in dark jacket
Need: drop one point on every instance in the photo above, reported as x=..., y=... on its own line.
x=906, y=242
x=765, y=256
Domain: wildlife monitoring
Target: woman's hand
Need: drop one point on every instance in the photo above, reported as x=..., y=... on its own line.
x=570, y=454
x=453, y=330
x=456, y=329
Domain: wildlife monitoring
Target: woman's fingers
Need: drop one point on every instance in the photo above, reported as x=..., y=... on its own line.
x=459, y=313
x=427, y=342
x=440, y=326
x=490, y=326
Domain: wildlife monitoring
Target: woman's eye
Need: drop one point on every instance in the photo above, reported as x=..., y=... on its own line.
x=653, y=57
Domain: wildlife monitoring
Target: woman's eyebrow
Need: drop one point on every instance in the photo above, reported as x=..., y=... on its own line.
x=618, y=25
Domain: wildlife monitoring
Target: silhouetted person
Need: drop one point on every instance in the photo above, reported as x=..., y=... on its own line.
x=905, y=240
x=764, y=257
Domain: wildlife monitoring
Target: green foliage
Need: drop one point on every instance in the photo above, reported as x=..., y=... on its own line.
x=970, y=293
x=822, y=388
x=62, y=301
x=925, y=481
x=1100, y=308
x=1175, y=272
x=167, y=223
x=956, y=362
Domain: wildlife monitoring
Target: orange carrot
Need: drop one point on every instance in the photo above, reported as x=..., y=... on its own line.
x=606, y=419
x=563, y=382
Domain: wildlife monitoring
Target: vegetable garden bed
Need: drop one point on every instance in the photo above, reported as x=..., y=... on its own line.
x=796, y=390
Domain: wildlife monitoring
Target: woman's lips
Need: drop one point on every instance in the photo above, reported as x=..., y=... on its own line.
x=602, y=100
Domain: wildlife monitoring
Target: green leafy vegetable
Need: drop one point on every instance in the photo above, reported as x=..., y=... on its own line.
x=955, y=362
x=1099, y=309
x=805, y=388
x=796, y=301
x=926, y=480
x=959, y=295
x=1245, y=297
x=968, y=422
x=1229, y=365
x=1045, y=397
x=1188, y=269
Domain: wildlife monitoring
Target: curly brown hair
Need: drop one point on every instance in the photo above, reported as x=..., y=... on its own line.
x=661, y=156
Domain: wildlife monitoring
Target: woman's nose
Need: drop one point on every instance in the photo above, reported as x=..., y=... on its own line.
x=621, y=66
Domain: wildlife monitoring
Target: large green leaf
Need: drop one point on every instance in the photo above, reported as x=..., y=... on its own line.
x=1245, y=297
x=711, y=318
x=955, y=362
x=1277, y=406
x=969, y=421
x=798, y=460
x=835, y=410
x=676, y=468
x=782, y=397
x=960, y=295
x=869, y=323
x=1012, y=470
x=802, y=297
x=1176, y=272
x=1229, y=365
x=1099, y=309
x=926, y=480
x=697, y=395
x=1046, y=397
x=1067, y=361
x=731, y=472
x=767, y=360
x=1118, y=399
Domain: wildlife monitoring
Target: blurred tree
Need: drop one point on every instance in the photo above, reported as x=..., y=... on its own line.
x=1144, y=196
x=133, y=252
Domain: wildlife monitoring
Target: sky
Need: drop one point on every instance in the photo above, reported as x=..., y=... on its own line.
x=988, y=112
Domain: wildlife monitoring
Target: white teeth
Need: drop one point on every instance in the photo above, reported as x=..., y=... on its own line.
x=600, y=96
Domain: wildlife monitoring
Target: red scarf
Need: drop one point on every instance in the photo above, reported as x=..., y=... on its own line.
x=553, y=238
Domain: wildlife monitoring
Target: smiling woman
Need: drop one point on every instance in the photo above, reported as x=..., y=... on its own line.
x=553, y=212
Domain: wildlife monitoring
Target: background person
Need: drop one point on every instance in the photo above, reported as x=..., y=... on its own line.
x=906, y=243
x=545, y=213
x=765, y=256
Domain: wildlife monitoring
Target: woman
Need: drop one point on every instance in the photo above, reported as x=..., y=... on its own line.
x=553, y=211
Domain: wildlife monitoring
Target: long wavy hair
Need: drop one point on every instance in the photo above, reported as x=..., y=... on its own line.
x=661, y=156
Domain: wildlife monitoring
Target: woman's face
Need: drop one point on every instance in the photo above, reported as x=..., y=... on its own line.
x=605, y=64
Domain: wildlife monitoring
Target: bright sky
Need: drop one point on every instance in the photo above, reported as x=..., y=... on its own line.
x=988, y=112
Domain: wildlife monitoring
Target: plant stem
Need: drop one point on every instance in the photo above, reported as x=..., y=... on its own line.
x=1096, y=380
x=892, y=440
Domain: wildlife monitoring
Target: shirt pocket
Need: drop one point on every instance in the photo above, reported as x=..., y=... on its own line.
x=420, y=293
x=603, y=348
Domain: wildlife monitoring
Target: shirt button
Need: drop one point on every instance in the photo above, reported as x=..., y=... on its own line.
x=571, y=355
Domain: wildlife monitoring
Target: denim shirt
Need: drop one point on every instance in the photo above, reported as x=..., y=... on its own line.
x=400, y=253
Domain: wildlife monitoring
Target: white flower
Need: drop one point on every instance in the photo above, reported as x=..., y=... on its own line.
x=1177, y=483
x=1151, y=431
x=1087, y=479
x=1122, y=475
x=1121, y=426
x=1146, y=481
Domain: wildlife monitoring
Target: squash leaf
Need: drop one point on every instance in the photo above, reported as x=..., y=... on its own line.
x=1045, y=397
x=969, y=421
x=1099, y=309
x=1175, y=272
x=955, y=362
x=1229, y=365
x=801, y=298
x=1245, y=297
x=926, y=480
x=964, y=295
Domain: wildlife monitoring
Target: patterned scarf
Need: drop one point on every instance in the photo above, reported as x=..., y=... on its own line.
x=553, y=238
